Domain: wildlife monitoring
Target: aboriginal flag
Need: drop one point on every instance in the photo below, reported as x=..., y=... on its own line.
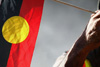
x=19, y=25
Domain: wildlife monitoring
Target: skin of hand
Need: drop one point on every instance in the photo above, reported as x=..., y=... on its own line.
x=89, y=40
x=92, y=32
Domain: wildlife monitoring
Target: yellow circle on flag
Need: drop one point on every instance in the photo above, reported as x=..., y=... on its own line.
x=15, y=29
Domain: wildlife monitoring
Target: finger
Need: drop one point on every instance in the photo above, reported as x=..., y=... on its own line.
x=92, y=15
x=97, y=15
x=96, y=11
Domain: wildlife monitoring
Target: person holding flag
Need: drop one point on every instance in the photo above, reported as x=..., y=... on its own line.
x=85, y=52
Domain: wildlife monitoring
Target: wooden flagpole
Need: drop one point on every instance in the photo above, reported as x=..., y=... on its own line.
x=74, y=6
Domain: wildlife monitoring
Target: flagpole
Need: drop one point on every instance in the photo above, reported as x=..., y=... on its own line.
x=74, y=6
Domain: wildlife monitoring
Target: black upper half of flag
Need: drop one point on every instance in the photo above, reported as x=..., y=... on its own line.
x=8, y=8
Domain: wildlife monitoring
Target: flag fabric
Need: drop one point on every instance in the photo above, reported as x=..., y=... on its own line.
x=87, y=63
x=19, y=26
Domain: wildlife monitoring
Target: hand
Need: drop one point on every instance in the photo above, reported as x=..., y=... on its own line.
x=92, y=31
x=89, y=40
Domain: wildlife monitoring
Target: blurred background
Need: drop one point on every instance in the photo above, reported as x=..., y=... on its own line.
x=60, y=26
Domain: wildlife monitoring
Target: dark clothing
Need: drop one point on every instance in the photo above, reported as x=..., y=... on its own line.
x=94, y=57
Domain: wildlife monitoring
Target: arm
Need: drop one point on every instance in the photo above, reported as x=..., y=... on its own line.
x=88, y=41
x=77, y=54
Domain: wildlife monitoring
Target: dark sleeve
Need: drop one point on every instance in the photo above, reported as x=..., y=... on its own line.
x=94, y=57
